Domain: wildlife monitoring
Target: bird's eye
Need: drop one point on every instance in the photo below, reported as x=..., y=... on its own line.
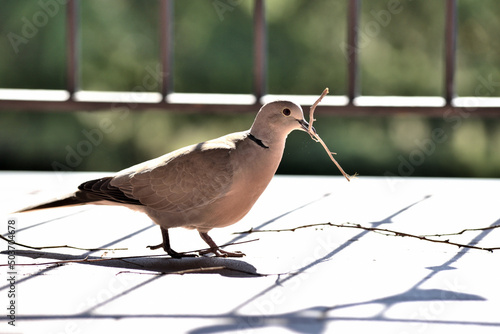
x=286, y=112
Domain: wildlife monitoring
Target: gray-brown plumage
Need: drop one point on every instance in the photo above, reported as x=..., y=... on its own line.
x=203, y=186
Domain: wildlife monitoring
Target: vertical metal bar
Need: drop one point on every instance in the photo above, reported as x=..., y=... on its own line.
x=72, y=47
x=450, y=49
x=166, y=46
x=352, y=49
x=260, y=45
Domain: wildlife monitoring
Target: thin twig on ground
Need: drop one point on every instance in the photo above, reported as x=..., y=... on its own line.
x=193, y=271
x=61, y=246
x=388, y=232
x=121, y=258
x=463, y=231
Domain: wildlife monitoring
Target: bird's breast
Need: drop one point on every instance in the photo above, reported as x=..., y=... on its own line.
x=253, y=167
x=252, y=174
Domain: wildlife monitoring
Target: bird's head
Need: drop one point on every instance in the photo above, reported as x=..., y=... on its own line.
x=277, y=119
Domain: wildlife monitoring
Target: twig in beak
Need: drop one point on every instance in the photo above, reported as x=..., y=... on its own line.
x=311, y=113
x=314, y=135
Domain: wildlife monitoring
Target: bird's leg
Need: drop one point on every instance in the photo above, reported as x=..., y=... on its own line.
x=215, y=249
x=166, y=246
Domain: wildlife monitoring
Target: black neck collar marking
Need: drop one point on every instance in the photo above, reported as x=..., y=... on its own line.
x=257, y=141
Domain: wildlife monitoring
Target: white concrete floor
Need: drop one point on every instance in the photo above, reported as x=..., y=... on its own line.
x=314, y=280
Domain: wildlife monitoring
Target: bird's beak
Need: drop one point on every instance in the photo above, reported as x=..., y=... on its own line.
x=305, y=126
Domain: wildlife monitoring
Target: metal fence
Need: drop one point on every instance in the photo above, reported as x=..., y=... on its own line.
x=352, y=104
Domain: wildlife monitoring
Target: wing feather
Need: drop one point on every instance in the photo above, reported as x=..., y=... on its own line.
x=181, y=180
x=101, y=189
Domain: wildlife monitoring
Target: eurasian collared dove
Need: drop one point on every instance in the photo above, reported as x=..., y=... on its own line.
x=211, y=184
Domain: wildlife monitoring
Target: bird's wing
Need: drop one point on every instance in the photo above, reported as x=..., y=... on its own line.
x=182, y=180
x=101, y=189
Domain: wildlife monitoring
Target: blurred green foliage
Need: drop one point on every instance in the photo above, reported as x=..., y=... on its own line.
x=401, y=53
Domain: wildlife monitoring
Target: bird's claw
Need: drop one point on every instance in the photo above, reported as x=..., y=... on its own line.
x=155, y=246
x=222, y=253
x=171, y=252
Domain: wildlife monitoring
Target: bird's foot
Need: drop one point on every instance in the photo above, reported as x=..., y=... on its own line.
x=216, y=249
x=176, y=255
x=155, y=247
x=221, y=253
x=171, y=252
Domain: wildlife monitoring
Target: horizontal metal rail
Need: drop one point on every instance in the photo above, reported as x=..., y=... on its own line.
x=166, y=99
x=57, y=100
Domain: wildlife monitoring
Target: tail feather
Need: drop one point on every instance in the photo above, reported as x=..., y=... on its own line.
x=90, y=191
x=71, y=200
